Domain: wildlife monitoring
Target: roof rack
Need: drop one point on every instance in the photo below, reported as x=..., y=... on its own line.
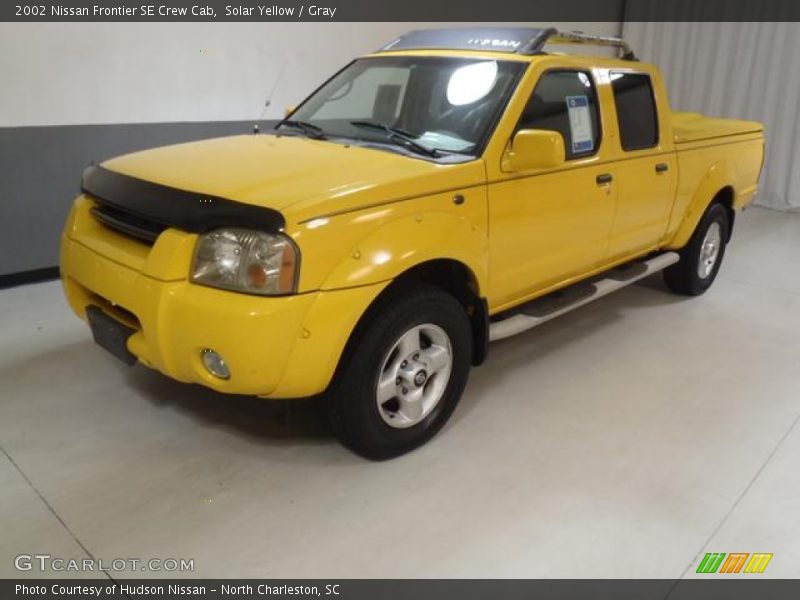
x=579, y=37
x=520, y=40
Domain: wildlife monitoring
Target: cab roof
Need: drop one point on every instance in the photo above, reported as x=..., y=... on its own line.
x=524, y=41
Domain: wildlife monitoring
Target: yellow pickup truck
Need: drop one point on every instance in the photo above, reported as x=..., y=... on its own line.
x=456, y=187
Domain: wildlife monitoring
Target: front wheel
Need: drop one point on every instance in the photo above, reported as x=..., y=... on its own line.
x=702, y=256
x=402, y=374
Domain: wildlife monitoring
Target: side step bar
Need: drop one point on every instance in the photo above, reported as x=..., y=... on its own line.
x=548, y=307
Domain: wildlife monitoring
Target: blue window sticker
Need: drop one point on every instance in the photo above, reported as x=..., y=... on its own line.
x=580, y=124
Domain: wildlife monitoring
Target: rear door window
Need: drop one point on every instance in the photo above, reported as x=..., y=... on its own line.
x=636, y=110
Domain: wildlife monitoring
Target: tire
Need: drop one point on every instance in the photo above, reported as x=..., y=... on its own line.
x=701, y=258
x=382, y=352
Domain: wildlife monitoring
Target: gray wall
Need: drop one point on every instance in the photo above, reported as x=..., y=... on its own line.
x=41, y=170
x=80, y=92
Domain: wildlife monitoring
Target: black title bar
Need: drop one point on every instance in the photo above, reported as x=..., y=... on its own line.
x=540, y=11
x=404, y=589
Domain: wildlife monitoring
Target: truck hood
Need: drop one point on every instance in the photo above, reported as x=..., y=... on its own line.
x=297, y=176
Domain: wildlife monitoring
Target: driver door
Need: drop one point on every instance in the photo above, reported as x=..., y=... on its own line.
x=549, y=227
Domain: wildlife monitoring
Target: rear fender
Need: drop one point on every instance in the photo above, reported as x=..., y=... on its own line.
x=717, y=178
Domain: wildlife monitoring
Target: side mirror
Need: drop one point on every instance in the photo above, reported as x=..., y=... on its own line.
x=534, y=149
x=287, y=110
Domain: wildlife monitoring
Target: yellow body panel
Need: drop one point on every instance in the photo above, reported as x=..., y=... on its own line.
x=361, y=217
x=694, y=127
x=284, y=347
x=708, y=166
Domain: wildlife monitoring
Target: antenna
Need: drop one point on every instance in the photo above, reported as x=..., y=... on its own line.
x=268, y=101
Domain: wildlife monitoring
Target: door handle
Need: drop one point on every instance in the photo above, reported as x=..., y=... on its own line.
x=604, y=178
x=661, y=167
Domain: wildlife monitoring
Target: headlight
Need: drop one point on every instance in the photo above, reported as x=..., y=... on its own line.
x=247, y=261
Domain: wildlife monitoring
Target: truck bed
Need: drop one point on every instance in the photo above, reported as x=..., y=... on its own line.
x=693, y=127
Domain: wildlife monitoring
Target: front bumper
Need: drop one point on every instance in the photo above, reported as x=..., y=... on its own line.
x=275, y=347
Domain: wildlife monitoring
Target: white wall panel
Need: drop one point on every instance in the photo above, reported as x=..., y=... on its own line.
x=93, y=73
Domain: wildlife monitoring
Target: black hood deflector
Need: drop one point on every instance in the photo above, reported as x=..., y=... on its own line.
x=173, y=207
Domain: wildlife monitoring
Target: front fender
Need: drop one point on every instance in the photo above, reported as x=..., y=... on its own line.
x=688, y=212
x=408, y=241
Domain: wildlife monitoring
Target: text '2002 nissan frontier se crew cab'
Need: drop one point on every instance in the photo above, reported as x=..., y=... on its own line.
x=455, y=187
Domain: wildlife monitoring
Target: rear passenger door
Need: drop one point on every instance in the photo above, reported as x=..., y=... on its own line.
x=647, y=171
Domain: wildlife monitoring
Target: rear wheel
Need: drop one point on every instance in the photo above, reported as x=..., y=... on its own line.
x=403, y=374
x=702, y=256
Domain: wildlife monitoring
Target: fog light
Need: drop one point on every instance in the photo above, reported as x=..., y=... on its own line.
x=215, y=364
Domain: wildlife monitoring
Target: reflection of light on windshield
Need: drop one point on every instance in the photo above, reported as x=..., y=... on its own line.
x=584, y=79
x=471, y=83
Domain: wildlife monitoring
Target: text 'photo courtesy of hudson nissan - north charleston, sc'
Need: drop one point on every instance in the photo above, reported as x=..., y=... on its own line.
x=455, y=187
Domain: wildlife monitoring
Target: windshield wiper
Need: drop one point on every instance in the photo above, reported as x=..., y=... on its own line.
x=311, y=130
x=398, y=136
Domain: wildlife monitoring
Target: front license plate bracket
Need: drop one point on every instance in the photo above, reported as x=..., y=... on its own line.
x=110, y=334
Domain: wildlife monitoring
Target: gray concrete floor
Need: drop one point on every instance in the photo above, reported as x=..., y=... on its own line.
x=622, y=440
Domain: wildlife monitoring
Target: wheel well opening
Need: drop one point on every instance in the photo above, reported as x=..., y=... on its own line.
x=459, y=281
x=725, y=197
x=450, y=275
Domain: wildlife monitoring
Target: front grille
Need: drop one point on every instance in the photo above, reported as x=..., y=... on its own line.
x=131, y=225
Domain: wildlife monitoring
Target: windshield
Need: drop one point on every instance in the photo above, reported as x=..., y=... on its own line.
x=426, y=103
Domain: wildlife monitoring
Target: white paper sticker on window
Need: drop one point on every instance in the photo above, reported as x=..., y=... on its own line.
x=580, y=124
